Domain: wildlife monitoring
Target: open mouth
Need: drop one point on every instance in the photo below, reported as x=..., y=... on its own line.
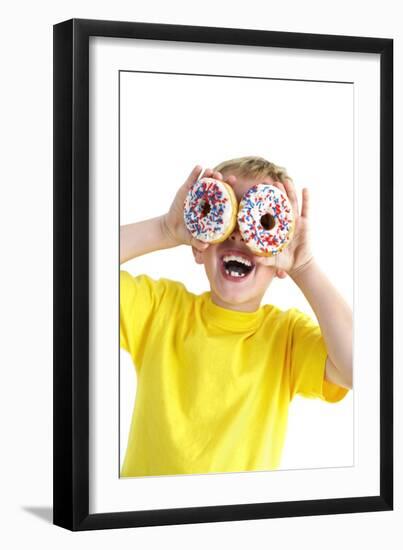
x=236, y=267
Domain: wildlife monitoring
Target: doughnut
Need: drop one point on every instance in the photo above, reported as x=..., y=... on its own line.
x=265, y=219
x=210, y=210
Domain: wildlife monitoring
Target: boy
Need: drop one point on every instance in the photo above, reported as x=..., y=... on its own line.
x=216, y=372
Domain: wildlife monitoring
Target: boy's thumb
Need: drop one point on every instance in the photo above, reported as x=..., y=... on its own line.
x=199, y=245
x=281, y=274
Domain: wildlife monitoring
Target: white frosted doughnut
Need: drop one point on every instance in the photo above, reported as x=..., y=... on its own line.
x=210, y=210
x=267, y=236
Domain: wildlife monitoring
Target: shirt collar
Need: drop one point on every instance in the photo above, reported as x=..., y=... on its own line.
x=229, y=319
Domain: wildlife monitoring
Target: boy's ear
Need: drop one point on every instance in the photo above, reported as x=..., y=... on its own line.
x=198, y=256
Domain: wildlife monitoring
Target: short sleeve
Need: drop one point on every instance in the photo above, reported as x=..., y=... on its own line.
x=308, y=361
x=139, y=300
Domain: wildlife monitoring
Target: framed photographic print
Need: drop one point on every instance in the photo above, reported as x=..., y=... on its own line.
x=175, y=373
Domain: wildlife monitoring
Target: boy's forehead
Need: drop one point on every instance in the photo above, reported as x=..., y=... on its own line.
x=244, y=183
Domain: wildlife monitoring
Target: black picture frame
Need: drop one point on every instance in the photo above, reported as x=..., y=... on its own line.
x=71, y=273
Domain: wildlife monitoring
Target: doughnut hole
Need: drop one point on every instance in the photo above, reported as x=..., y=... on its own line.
x=267, y=221
x=205, y=208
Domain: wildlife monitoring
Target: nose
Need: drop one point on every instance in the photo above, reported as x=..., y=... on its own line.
x=236, y=235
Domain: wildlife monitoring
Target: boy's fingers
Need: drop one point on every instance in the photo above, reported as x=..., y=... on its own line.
x=281, y=274
x=292, y=195
x=266, y=260
x=217, y=175
x=199, y=244
x=230, y=179
x=305, y=203
x=280, y=186
x=208, y=172
x=193, y=176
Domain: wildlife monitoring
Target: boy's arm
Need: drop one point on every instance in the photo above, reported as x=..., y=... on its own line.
x=143, y=237
x=333, y=313
x=335, y=320
x=164, y=231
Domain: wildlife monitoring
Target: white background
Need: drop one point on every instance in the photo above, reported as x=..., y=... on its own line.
x=26, y=298
x=305, y=126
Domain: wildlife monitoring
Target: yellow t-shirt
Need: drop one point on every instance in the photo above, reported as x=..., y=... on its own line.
x=213, y=385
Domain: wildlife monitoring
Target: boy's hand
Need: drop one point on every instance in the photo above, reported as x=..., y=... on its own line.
x=173, y=222
x=298, y=252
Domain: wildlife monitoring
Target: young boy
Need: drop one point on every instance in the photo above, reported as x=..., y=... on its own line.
x=216, y=372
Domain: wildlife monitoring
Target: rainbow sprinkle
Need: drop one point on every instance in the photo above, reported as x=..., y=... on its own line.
x=259, y=200
x=207, y=210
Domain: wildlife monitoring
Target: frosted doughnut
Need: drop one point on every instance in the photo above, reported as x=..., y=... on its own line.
x=210, y=210
x=265, y=219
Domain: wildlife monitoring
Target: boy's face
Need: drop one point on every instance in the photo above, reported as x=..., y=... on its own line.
x=229, y=291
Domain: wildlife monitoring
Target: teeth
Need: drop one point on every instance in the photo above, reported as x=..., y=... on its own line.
x=234, y=273
x=239, y=259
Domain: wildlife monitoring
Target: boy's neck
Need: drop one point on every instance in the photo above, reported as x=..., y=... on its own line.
x=247, y=307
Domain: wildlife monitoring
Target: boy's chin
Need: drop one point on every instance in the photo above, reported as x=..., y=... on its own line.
x=234, y=294
x=236, y=303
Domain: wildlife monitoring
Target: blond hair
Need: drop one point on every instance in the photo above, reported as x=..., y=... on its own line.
x=254, y=167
